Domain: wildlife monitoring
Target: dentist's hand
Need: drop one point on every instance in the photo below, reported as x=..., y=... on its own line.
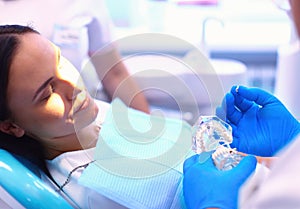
x=261, y=123
x=204, y=186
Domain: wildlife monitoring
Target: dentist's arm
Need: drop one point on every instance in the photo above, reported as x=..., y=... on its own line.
x=111, y=70
x=117, y=81
x=295, y=8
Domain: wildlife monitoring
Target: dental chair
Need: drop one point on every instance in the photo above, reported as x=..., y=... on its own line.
x=24, y=185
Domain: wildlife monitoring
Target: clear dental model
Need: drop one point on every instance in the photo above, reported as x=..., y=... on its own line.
x=212, y=136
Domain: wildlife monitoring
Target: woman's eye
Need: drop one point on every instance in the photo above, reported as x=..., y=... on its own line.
x=48, y=92
x=52, y=89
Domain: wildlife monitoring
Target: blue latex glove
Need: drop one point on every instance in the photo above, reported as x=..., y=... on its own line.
x=261, y=123
x=204, y=186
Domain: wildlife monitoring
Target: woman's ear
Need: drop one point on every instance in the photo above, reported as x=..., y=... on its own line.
x=11, y=128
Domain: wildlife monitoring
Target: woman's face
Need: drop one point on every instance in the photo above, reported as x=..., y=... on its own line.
x=46, y=95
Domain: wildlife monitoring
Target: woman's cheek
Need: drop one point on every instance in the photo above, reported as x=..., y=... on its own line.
x=56, y=108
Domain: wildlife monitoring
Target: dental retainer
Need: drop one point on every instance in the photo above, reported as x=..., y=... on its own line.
x=212, y=136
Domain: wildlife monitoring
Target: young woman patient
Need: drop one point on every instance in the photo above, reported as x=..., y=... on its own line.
x=43, y=98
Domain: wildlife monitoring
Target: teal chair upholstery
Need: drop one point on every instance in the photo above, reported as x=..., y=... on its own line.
x=26, y=187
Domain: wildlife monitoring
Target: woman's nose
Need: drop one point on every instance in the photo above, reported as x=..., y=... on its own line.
x=70, y=80
x=73, y=93
x=76, y=91
x=68, y=90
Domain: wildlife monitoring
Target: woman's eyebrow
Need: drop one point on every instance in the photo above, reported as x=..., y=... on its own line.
x=43, y=86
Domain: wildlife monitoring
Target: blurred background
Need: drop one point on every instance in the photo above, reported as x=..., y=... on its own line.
x=244, y=42
x=248, y=31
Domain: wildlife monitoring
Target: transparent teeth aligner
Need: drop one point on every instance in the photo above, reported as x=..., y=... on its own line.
x=225, y=158
x=210, y=133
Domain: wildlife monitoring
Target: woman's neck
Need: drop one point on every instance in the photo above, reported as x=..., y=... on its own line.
x=84, y=139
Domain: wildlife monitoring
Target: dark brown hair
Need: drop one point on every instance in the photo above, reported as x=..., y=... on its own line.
x=25, y=146
x=9, y=42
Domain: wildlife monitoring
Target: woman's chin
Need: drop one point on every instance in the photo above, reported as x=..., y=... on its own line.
x=87, y=116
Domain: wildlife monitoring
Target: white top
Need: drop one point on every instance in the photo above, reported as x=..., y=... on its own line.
x=66, y=23
x=279, y=188
x=84, y=197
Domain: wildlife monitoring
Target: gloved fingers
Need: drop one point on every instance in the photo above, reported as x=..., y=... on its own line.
x=190, y=162
x=242, y=104
x=245, y=168
x=195, y=163
x=256, y=95
x=234, y=143
x=234, y=129
x=221, y=113
x=233, y=114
